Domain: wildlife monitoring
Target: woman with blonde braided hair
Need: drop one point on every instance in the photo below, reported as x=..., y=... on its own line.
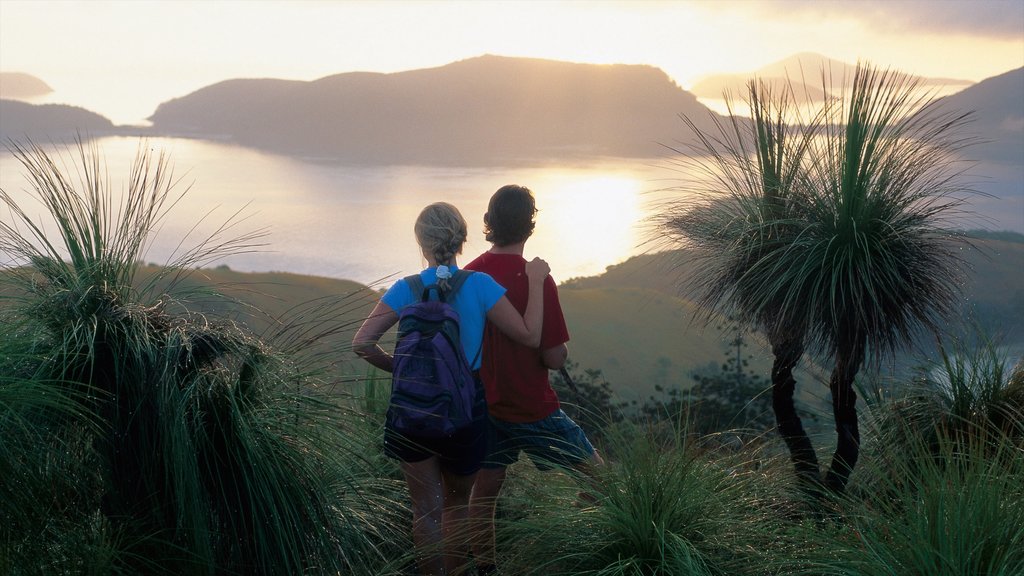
x=441, y=230
x=440, y=472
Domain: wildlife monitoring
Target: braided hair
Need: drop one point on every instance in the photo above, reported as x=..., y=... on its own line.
x=441, y=230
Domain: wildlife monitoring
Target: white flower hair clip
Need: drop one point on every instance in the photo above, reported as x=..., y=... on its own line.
x=443, y=272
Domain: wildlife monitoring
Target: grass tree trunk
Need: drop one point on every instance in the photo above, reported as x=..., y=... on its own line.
x=844, y=410
x=787, y=353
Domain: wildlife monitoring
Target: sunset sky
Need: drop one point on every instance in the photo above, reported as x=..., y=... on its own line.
x=122, y=58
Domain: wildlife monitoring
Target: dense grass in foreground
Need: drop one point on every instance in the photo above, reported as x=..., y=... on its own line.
x=939, y=493
x=143, y=433
x=143, y=437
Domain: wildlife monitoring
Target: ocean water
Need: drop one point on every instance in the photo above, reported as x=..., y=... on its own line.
x=356, y=223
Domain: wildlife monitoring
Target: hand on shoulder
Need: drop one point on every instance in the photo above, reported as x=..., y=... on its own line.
x=537, y=269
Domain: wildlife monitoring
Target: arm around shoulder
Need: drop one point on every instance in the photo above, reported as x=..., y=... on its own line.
x=505, y=316
x=525, y=329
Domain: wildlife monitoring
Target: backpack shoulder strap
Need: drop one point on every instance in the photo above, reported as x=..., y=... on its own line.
x=457, y=281
x=416, y=287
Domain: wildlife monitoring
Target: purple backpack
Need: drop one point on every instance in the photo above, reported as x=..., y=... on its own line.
x=433, y=390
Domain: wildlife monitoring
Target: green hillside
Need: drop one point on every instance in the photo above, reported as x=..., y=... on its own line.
x=637, y=337
x=308, y=315
x=630, y=322
x=634, y=324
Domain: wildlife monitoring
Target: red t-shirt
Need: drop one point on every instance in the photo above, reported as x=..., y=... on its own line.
x=514, y=377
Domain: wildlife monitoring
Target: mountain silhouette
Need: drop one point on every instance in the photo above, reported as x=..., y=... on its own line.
x=998, y=116
x=489, y=110
x=18, y=86
x=803, y=71
x=49, y=122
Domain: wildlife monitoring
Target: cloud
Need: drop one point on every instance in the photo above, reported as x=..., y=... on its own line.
x=990, y=18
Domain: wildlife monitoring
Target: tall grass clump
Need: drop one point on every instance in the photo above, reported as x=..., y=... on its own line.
x=144, y=437
x=941, y=486
x=660, y=510
x=934, y=505
x=44, y=469
x=978, y=390
x=972, y=395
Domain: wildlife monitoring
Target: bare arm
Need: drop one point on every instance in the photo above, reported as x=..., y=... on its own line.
x=365, y=342
x=554, y=358
x=525, y=329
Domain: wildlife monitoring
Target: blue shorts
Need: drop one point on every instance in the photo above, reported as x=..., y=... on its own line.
x=555, y=441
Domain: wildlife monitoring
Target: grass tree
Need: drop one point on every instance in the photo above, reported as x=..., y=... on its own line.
x=181, y=441
x=741, y=216
x=837, y=240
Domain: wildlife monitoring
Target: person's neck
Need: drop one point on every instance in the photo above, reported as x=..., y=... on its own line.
x=432, y=262
x=516, y=248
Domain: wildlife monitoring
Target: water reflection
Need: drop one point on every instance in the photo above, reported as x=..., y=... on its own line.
x=356, y=222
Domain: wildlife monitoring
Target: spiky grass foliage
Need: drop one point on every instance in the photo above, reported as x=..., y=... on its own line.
x=972, y=396
x=806, y=223
x=186, y=446
x=940, y=492
x=661, y=510
x=946, y=508
x=745, y=187
x=977, y=390
x=846, y=247
x=43, y=467
x=880, y=256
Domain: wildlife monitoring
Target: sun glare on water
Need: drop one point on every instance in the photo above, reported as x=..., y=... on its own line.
x=591, y=221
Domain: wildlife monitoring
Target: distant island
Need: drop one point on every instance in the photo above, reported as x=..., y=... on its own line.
x=21, y=120
x=803, y=71
x=487, y=111
x=19, y=86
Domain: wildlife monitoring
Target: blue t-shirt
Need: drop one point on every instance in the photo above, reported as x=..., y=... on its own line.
x=478, y=294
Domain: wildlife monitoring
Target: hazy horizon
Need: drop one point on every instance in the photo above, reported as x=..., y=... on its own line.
x=150, y=52
x=121, y=59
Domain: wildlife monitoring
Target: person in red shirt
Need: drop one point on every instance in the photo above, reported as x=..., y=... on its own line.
x=525, y=415
x=439, y=472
